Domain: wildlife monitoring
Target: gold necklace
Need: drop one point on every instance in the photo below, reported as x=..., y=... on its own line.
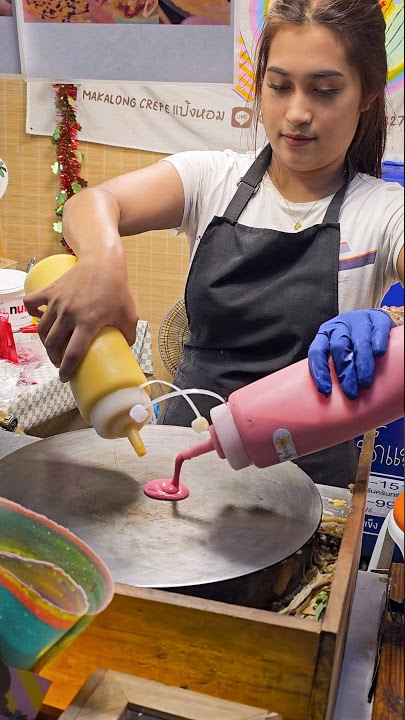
x=299, y=221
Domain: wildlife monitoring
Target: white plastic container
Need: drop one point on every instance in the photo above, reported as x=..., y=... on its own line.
x=12, y=298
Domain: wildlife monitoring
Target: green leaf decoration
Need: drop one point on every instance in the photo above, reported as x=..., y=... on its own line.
x=56, y=134
x=76, y=187
x=71, y=102
x=57, y=226
x=61, y=197
x=55, y=168
x=59, y=211
x=79, y=156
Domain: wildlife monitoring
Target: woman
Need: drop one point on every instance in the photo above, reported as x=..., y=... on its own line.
x=310, y=233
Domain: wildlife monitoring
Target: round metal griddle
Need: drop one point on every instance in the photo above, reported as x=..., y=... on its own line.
x=233, y=523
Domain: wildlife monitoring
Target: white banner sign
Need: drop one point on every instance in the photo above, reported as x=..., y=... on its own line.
x=160, y=118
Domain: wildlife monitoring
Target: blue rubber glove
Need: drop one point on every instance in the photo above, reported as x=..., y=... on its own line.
x=353, y=339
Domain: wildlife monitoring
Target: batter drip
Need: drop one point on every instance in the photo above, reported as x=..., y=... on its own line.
x=166, y=489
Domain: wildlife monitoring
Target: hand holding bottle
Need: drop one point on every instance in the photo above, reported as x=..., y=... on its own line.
x=353, y=339
x=92, y=294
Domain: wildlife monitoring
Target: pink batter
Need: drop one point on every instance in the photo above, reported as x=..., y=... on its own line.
x=165, y=489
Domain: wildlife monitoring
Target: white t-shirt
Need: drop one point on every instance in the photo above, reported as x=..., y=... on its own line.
x=371, y=219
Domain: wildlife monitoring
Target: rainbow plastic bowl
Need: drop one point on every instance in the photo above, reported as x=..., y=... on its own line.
x=49, y=554
x=39, y=603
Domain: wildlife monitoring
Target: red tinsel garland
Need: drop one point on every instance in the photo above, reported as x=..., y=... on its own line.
x=68, y=157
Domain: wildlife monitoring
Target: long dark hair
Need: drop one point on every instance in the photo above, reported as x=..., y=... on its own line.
x=360, y=26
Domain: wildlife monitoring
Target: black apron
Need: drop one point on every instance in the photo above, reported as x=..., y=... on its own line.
x=255, y=299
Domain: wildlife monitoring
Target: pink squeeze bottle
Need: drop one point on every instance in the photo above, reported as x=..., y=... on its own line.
x=283, y=416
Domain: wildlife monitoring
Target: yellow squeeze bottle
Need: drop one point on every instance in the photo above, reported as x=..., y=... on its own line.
x=106, y=383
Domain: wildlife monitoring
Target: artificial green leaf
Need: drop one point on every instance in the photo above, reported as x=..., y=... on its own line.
x=56, y=134
x=79, y=156
x=57, y=226
x=71, y=102
x=55, y=167
x=61, y=197
x=75, y=187
x=59, y=211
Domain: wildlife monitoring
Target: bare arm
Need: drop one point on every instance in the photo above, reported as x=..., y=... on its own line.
x=95, y=292
x=147, y=199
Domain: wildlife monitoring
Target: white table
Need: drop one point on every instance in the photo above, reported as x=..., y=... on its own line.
x=49, y=397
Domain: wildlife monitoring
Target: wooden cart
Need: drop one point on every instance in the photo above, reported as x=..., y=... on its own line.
x=255, y=657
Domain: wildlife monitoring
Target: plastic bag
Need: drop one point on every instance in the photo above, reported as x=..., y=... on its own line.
x=7, y=345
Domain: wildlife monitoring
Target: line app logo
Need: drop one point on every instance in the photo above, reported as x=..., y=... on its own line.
x=242, y=117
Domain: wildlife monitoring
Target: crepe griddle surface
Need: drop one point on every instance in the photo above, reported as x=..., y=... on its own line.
x=232, y=524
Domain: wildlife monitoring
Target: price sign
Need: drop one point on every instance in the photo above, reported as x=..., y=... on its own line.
x=382, y=492
x=386, y=480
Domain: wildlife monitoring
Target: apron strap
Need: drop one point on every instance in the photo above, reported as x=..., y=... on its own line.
x=335, y=205
x=248, y=185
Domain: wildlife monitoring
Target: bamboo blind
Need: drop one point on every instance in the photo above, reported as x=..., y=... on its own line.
x=157, y=261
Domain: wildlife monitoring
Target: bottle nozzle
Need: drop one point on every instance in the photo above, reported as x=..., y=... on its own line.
x=194, y=451
x=136, y=441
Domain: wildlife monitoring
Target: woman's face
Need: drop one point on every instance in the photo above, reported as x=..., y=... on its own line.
x=311, y=99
